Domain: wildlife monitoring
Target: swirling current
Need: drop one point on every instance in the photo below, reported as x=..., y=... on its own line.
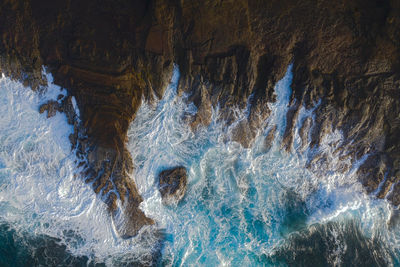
x=257, y=206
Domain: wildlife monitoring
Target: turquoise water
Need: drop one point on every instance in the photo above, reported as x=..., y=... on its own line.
x=248, y=207
x=243, y=207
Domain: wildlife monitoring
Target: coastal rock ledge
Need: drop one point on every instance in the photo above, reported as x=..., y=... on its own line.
x=110, y=55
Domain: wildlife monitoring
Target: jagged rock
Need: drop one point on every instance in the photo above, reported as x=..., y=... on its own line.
x=243, y=134
x=68, y=109
x=108, y=172
x=269, y=139
x=65, y=106
x=304, y=130
x=371, y=172
x=51, y=107
x=172, y=185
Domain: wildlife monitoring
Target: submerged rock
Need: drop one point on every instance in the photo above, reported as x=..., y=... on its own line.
x=172, y=185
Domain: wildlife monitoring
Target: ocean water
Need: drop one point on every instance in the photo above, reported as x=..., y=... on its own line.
x=243, y=207
x=249, y=207
x=48, y=215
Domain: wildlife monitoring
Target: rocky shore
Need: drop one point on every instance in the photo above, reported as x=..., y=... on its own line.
x=112, y=55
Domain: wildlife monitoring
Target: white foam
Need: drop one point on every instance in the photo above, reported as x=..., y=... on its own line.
x=281, y=105
x=39, y=192
x=234, y=209
x=234, y=206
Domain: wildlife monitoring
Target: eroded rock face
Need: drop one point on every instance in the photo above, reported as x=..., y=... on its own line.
x=110, y=55
x=172, y=185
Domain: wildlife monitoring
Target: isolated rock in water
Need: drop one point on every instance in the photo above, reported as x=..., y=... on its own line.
x=172, y=185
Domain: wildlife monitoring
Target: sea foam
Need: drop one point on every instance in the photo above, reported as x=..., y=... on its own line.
x=40, y=191
x=242, y=206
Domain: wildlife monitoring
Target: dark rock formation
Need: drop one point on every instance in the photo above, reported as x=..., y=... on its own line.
x=51, y=107
x=172, y=184
x=269, y=139
x=63, y=104
x=112, y=54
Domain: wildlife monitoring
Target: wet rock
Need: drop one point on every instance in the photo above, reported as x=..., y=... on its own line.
x=129, y=219
x=269, y=139
x=51, y=107
x=172, y=185
x=204, y=110
x=108, y=170
x=68, y=108
x=243, y=133
x=372, y=172
x=303, y=132
x=291, y=118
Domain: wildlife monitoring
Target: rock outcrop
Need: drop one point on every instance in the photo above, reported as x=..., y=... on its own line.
x=112, y=54
x=172, y=185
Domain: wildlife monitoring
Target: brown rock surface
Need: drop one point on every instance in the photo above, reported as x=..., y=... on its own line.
x=172, y=184
x=51, y=107
x=111, y=54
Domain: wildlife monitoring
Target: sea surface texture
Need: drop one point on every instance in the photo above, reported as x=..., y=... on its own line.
x=256, y=206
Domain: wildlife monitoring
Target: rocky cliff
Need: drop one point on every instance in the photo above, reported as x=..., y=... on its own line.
x=112, y=55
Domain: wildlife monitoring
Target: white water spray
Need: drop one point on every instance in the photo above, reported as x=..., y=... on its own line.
x=234, y=212
x=40, y=193
x=236, y=207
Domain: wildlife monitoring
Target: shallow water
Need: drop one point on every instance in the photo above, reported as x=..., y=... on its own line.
x=243, y=207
